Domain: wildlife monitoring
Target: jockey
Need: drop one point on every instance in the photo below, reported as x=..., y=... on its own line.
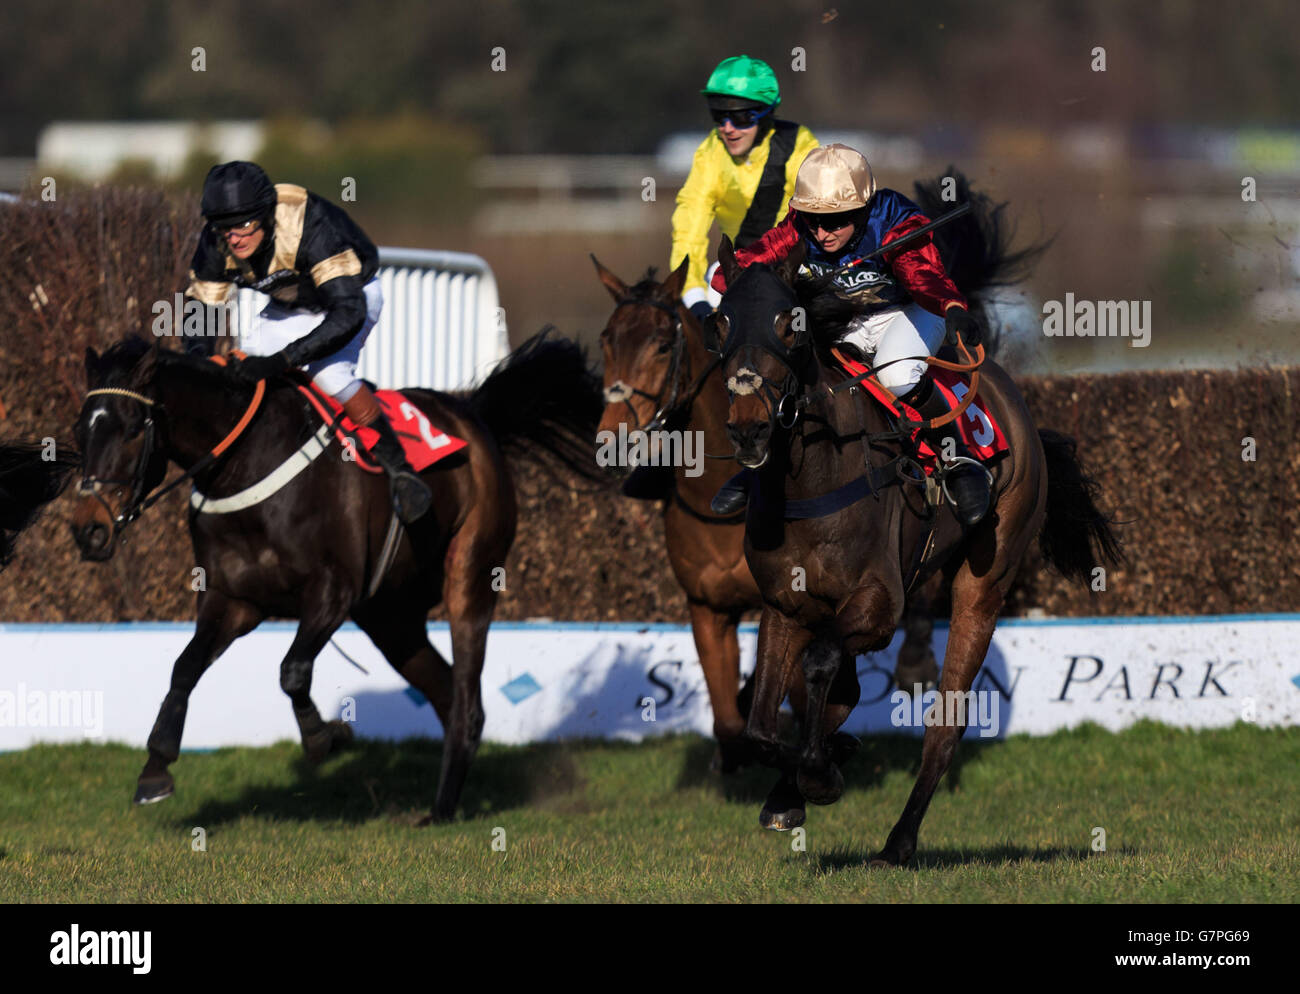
x=742, y=177
x=320, y=271
x=903, y=304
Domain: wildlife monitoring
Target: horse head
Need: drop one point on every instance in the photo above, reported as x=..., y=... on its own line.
x=118, y=433
x=762, y=335
x=646, y=346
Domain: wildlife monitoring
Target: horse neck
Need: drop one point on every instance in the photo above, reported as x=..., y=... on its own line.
x=708, y=414
x=202, y=408
x=816, y=463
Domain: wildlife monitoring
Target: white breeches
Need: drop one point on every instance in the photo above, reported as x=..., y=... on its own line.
x=277, y=326
x=897, y=333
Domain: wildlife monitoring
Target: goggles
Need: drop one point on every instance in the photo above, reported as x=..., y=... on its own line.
x=742, y=119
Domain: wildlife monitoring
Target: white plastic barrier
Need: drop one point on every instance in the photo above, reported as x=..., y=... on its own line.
x=441, y=327
x=562, y=680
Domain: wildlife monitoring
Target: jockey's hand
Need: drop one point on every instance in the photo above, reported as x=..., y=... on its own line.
x=260, y=367
x=958, y=321
x=701, y=310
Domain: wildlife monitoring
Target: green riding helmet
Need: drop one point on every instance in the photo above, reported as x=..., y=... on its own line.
x=741, y=82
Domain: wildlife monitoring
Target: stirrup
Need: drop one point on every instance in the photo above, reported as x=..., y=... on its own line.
x=957, y=461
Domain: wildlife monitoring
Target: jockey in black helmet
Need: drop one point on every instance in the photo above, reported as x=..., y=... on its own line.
x=320, y=271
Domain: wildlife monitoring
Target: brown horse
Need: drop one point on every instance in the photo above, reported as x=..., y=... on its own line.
x=856, y=553
x=310, y=549
x=659, y=376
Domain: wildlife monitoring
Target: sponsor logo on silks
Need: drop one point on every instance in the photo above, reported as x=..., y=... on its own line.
x=78, y=948
x=521, y=688
x=853, y=279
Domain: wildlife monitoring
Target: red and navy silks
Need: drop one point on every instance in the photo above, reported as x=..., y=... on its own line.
x=914, y=274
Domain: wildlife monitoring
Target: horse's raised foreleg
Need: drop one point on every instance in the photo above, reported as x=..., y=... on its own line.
x=819, y=779
x=974, y=616
x=220, y=621
x=322, y=614
x=719, y=652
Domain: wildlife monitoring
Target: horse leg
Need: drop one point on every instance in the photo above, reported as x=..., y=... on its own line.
x=319, y=621
x=819, y=779
x=220, y=621
x=974, y=614
x=470, y=604
x=916, y=662
x=400, y=633
x=719, y=652
x=781, y=643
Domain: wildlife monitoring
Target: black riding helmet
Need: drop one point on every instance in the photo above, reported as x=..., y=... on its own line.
x=235, y=192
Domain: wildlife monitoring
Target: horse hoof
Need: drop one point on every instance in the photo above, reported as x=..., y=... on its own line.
x=334, y=737
x=434, y=818
x=781, y=821
x=824, y=787
x=341, y=735
x=151, y=790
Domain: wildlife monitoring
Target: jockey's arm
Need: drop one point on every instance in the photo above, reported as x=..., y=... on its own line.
x=345, y=314
x=696, y=204
x=772, y=246
x=920, y=270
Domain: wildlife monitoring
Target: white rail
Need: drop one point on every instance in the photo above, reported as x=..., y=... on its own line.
x=441, y=327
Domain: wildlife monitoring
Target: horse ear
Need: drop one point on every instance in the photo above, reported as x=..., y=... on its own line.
x=92, y=360
x=788, y=268
x=727, y=260
x=144, y=369
x=616, y=287
x=672, y=287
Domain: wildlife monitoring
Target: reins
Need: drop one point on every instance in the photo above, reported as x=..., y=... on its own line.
x=140, y=502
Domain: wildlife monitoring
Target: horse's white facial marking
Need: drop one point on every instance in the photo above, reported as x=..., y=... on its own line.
x=745, y=382
x=99, y=413
x=617, y=392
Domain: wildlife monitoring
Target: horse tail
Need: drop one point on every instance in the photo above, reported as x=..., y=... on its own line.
x=1076, y=534
x=544, y=398
x=976, y=248
x=28, y=481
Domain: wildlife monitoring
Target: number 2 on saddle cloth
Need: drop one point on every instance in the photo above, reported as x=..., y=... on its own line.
x=424, y=444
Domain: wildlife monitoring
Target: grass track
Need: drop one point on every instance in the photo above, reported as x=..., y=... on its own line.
x=1211, y=816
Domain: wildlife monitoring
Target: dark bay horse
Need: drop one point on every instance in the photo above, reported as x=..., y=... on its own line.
x=309, y=550
x=659, y=376
x=31, y=475
x=855, y=560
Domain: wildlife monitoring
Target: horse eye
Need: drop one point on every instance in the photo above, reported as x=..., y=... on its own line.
x=664, y=347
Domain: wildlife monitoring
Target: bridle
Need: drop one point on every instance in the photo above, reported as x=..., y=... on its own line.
x=141, y=500
x=620, y=392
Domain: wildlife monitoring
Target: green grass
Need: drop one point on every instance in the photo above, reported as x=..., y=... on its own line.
x=1189, y=817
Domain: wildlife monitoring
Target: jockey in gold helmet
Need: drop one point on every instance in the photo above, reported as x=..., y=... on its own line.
x=904, y=303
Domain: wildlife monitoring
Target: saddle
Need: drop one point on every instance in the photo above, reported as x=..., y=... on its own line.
x=978, y=428
x=423, y=443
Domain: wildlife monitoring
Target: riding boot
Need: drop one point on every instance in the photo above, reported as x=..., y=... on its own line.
x=411, y=495
x=733, y=496
x=966, y=483
x=649, y=483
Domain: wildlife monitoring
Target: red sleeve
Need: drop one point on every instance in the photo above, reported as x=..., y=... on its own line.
x=774, y=244
x=920, y=270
